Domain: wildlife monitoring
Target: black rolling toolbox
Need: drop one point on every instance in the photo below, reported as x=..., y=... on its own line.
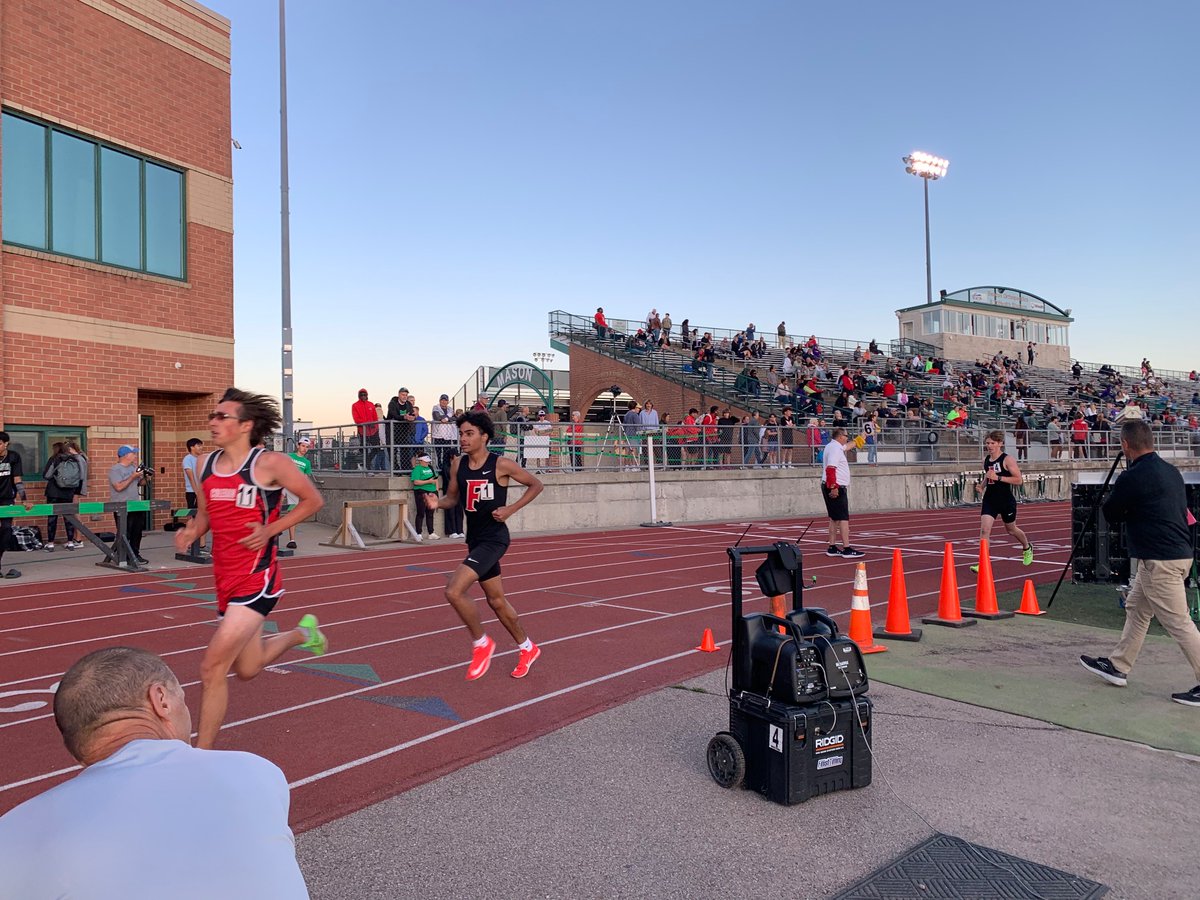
x=797, y=752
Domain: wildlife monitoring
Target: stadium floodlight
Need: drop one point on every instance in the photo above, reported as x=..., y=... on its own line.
x=928, y=168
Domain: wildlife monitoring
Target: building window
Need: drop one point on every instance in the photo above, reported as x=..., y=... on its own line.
x=36, y=443
x=931, y=322
x=68, y=194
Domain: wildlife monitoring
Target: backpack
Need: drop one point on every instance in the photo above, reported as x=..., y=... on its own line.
x=68, y=475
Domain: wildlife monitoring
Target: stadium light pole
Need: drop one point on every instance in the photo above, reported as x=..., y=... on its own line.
x=928, y=168
x=285, y=242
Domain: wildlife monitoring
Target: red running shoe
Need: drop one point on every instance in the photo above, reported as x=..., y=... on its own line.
x=481, y=658
x=526, y=659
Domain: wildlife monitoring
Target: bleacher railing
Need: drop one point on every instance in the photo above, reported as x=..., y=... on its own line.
x=554, y=447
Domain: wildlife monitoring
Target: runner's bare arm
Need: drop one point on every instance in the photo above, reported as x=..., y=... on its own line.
x=506, y=467
x=278, y=470
x=1014, y=473
x=449, y=500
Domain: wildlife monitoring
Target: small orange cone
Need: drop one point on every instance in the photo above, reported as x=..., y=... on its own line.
x=860, y=614
x=949, y=612
x=707, y=644
x=985, y=589
x=898, y=625
x=1029, y=603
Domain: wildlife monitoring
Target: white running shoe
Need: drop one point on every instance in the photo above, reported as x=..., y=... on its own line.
x=433, y=537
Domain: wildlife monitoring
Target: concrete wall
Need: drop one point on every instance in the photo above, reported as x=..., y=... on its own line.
x=622, y=499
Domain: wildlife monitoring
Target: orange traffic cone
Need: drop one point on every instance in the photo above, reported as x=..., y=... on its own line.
x=860, y=614
x=949, y=612
x=779, y=609
x=1029, y=603
x=985, y=589
x=707, y=644
x=898, y=625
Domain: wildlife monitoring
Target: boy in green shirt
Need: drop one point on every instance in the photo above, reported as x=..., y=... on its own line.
x=424, y=483
x=304, y=464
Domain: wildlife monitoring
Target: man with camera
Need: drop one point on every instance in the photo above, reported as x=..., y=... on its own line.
x=125, y=480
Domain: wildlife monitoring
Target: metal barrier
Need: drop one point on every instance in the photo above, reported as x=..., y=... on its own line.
x=120, y=555
x=555, y=447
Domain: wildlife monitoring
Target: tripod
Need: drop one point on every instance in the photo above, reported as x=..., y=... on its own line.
x=1086, y=528
x=616, y=441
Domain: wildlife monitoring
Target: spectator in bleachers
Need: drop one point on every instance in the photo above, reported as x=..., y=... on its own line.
x=637, y=342
x=768, y=442
x=400, y=414
x=726, y=437
x=363, y=413
x=691, y=437
x=708, y=437
x=1079, y=436
x=1021, y=433
x=666, y=330
x=870, y=430
x=750, y=332
x=787, y=439
x=601, y=324
x=781, y=334
x=873, y=347
x=649, y=417
x=420, y=427
x=1054, y=437
x=1076, y=370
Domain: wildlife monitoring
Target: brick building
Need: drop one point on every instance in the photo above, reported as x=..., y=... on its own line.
x=116, y=221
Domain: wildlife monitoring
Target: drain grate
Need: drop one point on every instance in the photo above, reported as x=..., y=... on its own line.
x=949, y=868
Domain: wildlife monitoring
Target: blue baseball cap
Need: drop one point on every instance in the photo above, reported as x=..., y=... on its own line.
x=125, y=449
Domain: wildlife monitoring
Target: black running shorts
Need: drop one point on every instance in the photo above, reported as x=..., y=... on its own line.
x=484, y=558
x=1005, y=510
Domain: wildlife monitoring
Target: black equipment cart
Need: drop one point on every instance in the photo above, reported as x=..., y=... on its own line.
x=799, y=723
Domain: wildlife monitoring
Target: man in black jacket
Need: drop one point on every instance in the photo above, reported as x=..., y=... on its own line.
x=400, y=414
x=1151, y=500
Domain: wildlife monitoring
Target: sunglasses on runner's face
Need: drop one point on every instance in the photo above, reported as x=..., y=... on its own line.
x=222, y=416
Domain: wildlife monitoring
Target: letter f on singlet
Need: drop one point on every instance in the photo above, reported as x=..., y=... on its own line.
x=478, y=489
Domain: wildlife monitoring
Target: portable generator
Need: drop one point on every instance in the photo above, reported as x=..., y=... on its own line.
x=799, y=721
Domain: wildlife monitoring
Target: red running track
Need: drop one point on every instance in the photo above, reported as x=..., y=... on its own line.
x=618, y=614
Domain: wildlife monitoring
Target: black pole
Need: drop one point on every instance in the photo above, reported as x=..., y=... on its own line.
x=1087, y=527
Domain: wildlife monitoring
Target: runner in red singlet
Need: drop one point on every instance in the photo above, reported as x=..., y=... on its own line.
x=241, y=491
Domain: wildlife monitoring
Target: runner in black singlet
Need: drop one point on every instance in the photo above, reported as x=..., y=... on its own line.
x=479, y=481
x=1000, y=473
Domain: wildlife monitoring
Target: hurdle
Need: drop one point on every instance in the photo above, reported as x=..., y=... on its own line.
x=347, y=536
x=120, y=555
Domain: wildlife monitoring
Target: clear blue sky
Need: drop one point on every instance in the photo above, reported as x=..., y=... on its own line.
x=459, y=169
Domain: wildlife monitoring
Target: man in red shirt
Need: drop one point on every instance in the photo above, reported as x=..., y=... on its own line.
x=691, y=436
x=363, y=411
x=1079, y=436
x=240, y=499
x=601, y=324
x=709, y=436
